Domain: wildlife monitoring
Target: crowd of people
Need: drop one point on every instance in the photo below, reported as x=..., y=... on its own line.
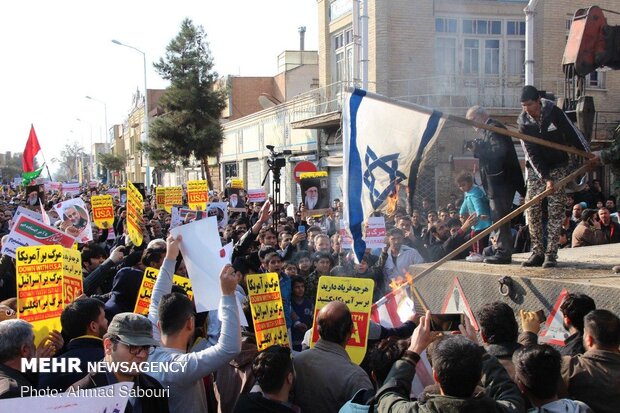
x=497, y=370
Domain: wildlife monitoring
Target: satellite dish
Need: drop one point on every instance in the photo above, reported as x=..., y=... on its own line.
x=267, y=101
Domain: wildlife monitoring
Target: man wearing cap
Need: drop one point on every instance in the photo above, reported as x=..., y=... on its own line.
x=545, y=167
x=129, y=341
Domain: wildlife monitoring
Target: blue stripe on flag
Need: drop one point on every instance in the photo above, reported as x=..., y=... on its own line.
x=356, y=215
x=431, y=129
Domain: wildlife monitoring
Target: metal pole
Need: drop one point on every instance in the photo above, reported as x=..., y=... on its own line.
x=146, y=129
x=145, y=135
x=530, y=11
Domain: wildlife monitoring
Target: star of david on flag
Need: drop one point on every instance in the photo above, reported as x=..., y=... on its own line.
x=384, y=142
x=387, y=164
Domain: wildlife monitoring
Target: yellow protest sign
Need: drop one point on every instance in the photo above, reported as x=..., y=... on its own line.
x=39, y=287
x=72, y=281
x=307, y=175
x=174, y=196
x=197, y=195
x=160, y=197
x=148, y=283
x=103, y=210
x=236, y=183
x=267, y=310
x=134, y=214
x=356, y=293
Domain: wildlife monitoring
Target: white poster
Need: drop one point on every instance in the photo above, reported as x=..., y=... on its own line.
x=204, y=258
x=375, y=233
x=75, y=219
x=346, y=242
x=72, y=188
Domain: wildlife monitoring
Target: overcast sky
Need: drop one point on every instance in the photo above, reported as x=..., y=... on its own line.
x=57, y=52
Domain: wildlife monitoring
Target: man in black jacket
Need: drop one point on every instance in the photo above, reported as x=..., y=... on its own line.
x=501, y=177
x=545, y=167
x=83, y=326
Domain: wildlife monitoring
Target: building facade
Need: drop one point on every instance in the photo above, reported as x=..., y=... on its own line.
x=285, y=98
x=448, y=55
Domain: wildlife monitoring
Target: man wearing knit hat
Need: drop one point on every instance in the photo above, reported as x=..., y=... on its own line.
x=545, y=166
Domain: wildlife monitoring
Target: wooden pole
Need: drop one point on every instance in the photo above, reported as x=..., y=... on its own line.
x=460, y=119
x=518, y=135
x=502, y=221
x=490, y=229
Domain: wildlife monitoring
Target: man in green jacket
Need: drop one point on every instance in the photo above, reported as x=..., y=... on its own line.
x=459, y=365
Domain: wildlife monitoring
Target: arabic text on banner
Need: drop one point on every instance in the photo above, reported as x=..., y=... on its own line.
x=29, y=232
x=39, y=287
x=148, y=283
x=160, y=197
x=134, y=214
x=103, y=210
x=267, y=310
x=174, y=196
x=356, y=293
x=197, y=195
x=73, y=279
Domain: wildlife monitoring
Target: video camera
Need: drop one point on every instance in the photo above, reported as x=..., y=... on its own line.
x=276, y=160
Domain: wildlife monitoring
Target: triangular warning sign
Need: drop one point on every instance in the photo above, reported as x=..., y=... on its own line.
x=456, y=302
x=554, y=331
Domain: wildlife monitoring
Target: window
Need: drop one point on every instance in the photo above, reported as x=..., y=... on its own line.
x=445, y=25
x=340, y=73
x=596, y=80
x=471, y=56
x=516, y=57
x=515, y=28
x=445, y=56
x=344, y=65
x=491, y=57
x=482, y=26
x=230, y=170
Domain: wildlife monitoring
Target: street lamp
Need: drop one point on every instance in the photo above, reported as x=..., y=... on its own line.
x=90, y=158
x=145, y=137
x=107, y=138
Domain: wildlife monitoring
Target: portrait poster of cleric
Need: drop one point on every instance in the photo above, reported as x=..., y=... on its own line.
x=314, y=193
x=236, y=199
x=75, y=219
x=35, y=194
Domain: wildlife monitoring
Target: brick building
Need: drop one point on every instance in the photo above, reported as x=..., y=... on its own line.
x=449, y=55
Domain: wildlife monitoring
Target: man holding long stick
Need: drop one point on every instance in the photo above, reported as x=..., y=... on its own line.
x=543, y=119
x=501, y=177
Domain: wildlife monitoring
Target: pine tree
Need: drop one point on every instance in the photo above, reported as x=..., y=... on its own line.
x=191, y=106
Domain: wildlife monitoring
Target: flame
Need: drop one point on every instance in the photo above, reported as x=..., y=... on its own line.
x=392, y=201
x=397, y=282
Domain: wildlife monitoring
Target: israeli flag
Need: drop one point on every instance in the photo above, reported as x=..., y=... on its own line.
x=384, y=142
